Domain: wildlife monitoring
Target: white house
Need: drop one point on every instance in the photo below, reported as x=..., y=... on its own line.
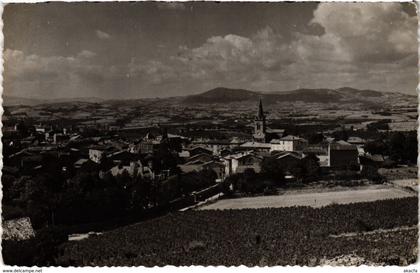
x=288, y=143
x=238, y=163
x=96, y=155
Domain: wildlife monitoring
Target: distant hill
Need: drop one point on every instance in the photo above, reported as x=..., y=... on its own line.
x=11, y=100
x=222, y=94
x=341, y=95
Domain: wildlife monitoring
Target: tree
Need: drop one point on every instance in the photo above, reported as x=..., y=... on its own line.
x=195, y=181
x=310, y=167
x=411, y=147
x=376, y=147
x=341, y=134
x=248, y=181
x=271, y=169
x=371, y=173
x=396, y=146
x=315, y=138
x=36, y=198
x=22, y=129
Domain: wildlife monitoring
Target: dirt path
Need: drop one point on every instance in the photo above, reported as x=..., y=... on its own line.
x=313, y=199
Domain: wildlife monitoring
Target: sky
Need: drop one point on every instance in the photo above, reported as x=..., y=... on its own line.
x=124, y=50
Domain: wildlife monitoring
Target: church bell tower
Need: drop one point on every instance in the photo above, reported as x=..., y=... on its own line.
x=259, y=125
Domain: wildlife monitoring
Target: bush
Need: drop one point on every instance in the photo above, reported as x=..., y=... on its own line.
x=371, y=173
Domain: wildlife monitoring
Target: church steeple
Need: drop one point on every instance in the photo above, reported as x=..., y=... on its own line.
x=260, y=114
x=259, y=124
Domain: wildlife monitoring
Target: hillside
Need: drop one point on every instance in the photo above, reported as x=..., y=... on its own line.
x=12, y=100
x=345, y=95
x=222, y=94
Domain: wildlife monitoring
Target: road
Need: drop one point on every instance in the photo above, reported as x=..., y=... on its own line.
x=313, y=199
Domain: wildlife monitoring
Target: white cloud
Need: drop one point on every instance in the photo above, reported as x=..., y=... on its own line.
x=372, y=32
x=87, y=54
x=56, y=76
x=359, y=40
x=231, y=56
x=102, y=35
x=154, y=72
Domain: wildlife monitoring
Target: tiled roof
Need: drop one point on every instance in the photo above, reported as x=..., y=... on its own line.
x=343, y=146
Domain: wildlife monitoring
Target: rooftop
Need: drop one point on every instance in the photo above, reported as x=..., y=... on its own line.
x=343, y=146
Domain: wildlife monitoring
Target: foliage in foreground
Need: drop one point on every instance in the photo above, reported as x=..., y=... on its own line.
x=269, y=236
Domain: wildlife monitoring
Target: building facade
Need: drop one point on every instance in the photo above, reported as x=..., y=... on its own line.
x=289, y=143
x=343, y=155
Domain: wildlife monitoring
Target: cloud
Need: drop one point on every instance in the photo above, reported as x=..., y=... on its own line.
x=231, y=56
x=87, y=54
x=80, y=75
x=365, y=45
x=154, y=72
x=372, y=32
x=102, y=35
x=54, y=76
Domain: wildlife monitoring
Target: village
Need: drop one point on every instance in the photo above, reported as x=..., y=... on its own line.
x=86, y=180
x=209, y=134
x=161, y=153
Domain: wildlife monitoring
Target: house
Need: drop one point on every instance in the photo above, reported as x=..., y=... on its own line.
x=288, y=160
x=199, y=150
x=217, y=167
x=356, y=141
x=87, y=166
x=343, y=155
x=200, y=157
x=121, y=156
x=288, y=143
x=79, y=163
x=274, y=133
x=59, y=138
x=225, y=152
x=319, y=151
x=148, y=146
x=96, y=154
x=238, y=163
x=133, y=168
x=235, y=142
x=184, y=154
x=196, y=166
x=371, y=160
x=256, y=146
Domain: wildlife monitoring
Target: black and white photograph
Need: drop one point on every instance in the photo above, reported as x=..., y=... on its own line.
x=254, y=134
